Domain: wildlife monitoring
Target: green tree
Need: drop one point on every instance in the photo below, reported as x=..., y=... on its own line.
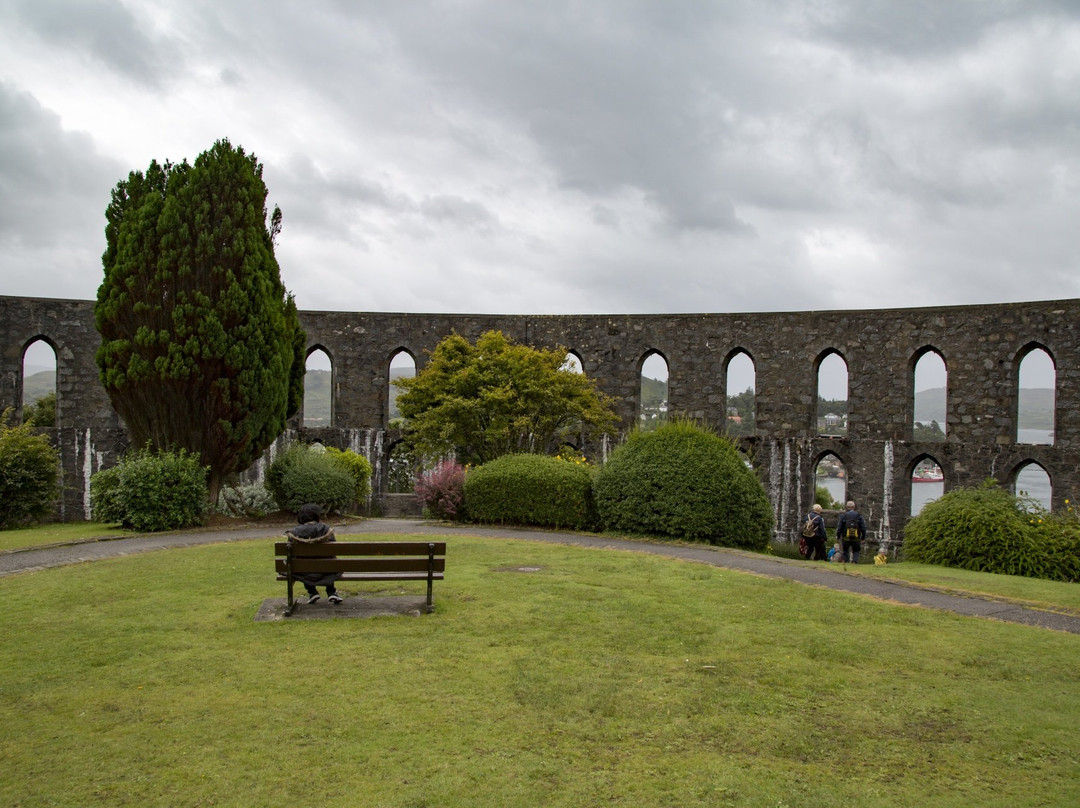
x=741, y=405
x=201, y=346
x=928, y=432
x=498, y=397
x=42, y=412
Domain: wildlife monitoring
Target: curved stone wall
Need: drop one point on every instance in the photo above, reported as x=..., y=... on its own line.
x=982, y=347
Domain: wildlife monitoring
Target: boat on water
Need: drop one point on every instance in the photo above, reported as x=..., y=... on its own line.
x=931, y=475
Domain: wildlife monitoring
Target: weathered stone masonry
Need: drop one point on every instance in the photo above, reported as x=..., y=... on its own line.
x=982, y=347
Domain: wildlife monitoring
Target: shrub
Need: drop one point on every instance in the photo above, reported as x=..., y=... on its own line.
x=106, y=505
x=824, y=498
x=29, y=475
x=150, y=491
x=42, y=412
x=441, y=490
x=988, y=529
x=252, y=501
x=360, y=469
x=301, y=474
x=685, y=482
x=529, y=489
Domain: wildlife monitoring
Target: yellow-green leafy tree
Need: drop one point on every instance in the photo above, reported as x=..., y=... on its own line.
x=497, y=397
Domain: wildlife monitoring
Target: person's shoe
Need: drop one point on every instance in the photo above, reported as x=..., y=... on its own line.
x=335, y=598
x=313, y=598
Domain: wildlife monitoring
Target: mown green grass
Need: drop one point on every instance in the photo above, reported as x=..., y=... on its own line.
x=604, y=678
x=1034, y=592
x=41, y=535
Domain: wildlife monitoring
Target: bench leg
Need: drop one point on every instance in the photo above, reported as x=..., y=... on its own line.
x=292, y=603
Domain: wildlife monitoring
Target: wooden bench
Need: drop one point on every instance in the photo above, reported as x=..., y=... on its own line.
x=362, y=561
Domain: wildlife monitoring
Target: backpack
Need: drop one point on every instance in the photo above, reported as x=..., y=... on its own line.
x=852, y=531
x=809, y=529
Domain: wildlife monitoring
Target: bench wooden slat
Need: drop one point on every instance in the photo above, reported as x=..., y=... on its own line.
x=381, y=576
x=304, y=565
x=356, y=548
x=361, y=561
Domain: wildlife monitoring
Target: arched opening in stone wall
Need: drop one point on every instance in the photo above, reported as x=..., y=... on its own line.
x=573, y=363
x=653, y=398
x=931, y=397
x=830, y=482
x=1036, y=394
x=740, y=387
x=1032, y=481
x=400, y=469
x=318, y=389
x=832, y=395
x=402, y=366
x=39, y=389
x=927, y=482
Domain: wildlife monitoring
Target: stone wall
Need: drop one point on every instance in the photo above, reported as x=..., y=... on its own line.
x=982, y=347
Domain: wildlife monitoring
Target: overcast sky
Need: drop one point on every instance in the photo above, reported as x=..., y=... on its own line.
x=598, y=156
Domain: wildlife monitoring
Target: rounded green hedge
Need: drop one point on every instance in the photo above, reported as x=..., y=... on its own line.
x=529, y=489
x=987, y=529
x=683, y=481
x=302, y=474
x=149, y=491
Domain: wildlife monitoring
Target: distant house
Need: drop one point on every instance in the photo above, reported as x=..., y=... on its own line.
x=832, y=419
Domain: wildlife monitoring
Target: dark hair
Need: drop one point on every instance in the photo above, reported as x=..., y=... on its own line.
x=309, y=512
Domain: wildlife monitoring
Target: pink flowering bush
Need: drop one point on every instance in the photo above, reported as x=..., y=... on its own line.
x=441, y=490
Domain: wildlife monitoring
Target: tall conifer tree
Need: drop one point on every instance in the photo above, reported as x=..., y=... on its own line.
x=201, y=346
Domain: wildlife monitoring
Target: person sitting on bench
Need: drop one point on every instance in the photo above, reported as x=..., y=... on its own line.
x=312, y=530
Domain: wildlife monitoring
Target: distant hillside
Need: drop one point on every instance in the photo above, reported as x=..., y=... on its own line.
x=653, y=393
x=38, y=385
x=317, y=398
x=317, y=395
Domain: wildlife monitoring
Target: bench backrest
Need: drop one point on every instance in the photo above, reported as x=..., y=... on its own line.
x=347, y=556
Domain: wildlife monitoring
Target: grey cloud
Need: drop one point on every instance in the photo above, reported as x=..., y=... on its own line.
x=54, y=187
x=106, y=31
x=920, y=28
x=454, y=210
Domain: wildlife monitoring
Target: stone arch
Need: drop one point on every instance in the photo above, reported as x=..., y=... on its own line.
x=929, y=378
x=400, y=364
x=39, y=351
x=825, y=472
x=740, y=392
x=318, y=409
x=400, y=468
x=831, y=393
x=1031, y=479
x=922, y=474
x=653, y=392
x=574, y=362
x=1036, y=395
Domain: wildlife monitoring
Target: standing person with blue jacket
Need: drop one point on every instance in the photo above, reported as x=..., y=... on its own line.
x=851, y=530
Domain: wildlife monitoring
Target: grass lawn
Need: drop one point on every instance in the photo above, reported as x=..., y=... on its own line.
x=603, y=678
x=40, y=535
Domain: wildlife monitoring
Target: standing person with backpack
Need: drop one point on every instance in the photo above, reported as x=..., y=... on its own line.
x=851, y=530
x=814, y=532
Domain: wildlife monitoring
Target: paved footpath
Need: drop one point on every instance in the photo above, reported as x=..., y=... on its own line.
x=814, y=574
